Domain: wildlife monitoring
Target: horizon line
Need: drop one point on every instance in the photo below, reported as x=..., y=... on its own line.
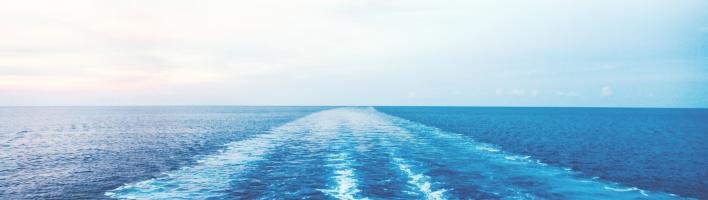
x=312, y=105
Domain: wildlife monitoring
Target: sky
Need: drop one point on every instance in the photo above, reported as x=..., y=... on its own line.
x=596, y=53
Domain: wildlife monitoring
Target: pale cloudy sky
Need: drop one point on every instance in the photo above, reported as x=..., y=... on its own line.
x=355, y=52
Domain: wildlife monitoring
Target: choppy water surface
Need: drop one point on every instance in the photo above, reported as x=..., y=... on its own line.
x=346, y=153
x=81, y=152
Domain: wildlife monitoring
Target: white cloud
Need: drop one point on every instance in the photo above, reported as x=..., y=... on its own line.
x=518, y=92
x=567, y=94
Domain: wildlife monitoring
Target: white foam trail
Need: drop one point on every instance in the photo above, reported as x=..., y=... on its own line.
x=420, y=181
x=585, y=189
x=203, y=180
x=344, y=128
x=345, y=179
x=395, y=136
x=212, y=174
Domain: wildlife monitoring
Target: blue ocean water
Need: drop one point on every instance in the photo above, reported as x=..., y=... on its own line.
x=328, y=153
x=82, y=152
x=656, y=149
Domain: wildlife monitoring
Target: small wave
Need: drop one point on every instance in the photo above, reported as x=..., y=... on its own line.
x=18, y=135
x=420, y=181
x=627, y=190
x=527, y=159
x=517, y=157
x=487, y=148
x=543, y=164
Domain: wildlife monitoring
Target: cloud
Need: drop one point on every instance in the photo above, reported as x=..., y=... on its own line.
x=368, y=49
x=517, y=92
x=567, y=94
x=606, y=91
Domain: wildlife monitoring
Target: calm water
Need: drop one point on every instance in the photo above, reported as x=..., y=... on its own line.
x=351, y=153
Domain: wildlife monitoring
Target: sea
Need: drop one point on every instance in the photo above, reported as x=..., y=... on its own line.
x=251, y=152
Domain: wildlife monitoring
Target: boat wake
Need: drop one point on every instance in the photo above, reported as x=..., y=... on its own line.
x=360, y=153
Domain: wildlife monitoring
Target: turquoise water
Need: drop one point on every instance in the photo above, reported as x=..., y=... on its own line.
x=281, y=153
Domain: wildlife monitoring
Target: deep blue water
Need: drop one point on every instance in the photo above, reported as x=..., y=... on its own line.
x=351, y=153
x=656, y=149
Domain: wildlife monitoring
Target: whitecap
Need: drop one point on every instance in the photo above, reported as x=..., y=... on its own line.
x=420, y=181
x=517, y=157
x=627, y=190
x=487, y=148
x=543, y=164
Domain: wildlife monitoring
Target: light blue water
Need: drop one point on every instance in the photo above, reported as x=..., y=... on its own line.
x=341, y=153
